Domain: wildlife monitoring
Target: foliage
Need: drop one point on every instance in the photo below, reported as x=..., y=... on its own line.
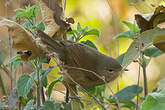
x=154, y=101
x=50, y=88
x=131, y=34
x=79, y=33
x=126, y=96
x=24, y=84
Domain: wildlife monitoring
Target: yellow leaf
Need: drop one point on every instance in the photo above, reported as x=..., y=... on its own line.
x=146, y=6
x=53, y=74
x=159, y=41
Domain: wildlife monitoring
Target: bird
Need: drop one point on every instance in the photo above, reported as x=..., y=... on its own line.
x=84, y=65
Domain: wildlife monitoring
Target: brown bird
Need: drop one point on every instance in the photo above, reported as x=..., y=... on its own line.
x=85, y=65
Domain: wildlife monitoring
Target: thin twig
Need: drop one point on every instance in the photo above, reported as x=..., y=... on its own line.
x=10, y=49
x=80, y=85
x=116, y=32
x=145, y=81
x=64, y=5
x=42, y=95
x=137, y=101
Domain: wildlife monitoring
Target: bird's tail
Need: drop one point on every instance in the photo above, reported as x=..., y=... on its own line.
x=49, y=44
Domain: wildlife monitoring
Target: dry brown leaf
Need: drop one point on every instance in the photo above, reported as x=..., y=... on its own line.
x=21, y=38
x=48, y=18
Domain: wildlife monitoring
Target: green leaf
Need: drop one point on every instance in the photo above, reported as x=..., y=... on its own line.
x=93, y=32
x=26, y=25
x=89, y=43
x=126, y=34
x=2, y=57
x=48, y=105
x=20, y=10
x=85, y=29
x=120, y=58
x=21, y=15
x=44, y=81
x=29, y=105
x=35, y=9
x=41, y=26
x=50, y=88
x=146, y=39
x=24, y=84
x=15, y=59
x=45, y=60
x=153, y=52
x=79, y=28
x=45, y=72
x=128, y=93
x=133, y=27
x=154, y=101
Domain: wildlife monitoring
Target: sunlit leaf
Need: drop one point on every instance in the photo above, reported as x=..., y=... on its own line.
x=143, y=41
x=145, y=6
x=120, y=58
x=132, y=27
x=20, y=10
x=93, y=32
x=161, y=84
x=79, y=28
x=126, y=34
x=154, y=101
x=159, y=41
x=35, y=9
x=15, y=58
x=50, y=88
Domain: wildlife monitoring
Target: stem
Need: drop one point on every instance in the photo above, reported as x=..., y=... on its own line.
x=145, y=81
x=38, y=86
x=42, y=95
x=10, y=49
x=20, y=104
x=137, y=101
x=37, y=65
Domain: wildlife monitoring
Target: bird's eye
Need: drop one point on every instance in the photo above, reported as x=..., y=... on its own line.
x=110, y=70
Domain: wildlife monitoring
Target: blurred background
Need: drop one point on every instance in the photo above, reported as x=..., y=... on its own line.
x=106, y=16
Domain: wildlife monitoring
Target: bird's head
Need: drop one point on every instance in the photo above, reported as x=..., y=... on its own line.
x=109, y=68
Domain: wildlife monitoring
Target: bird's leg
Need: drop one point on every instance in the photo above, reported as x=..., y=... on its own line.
x=74, y=101
x=67, y=95
x=71, y=92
